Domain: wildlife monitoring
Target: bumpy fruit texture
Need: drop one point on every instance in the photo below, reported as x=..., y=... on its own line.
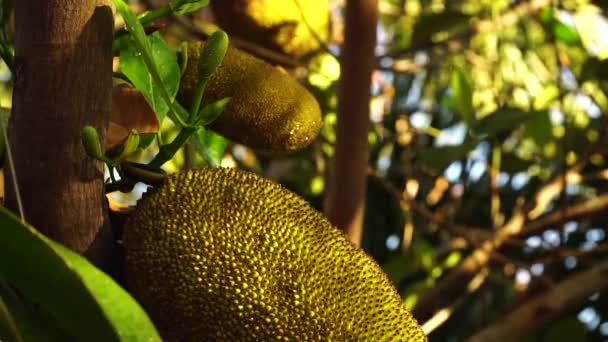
x=268, y=109
x=283, y=25
x=224, y=255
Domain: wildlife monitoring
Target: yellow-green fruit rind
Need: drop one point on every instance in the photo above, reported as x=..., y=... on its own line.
x=268, y=109
x=225, y=255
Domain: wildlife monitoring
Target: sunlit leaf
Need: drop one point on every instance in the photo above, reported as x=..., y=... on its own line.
x=561, y=31
x=84, y=301
x=463, y=96
x=133, y=65
x=185, y=7
x=210, y=145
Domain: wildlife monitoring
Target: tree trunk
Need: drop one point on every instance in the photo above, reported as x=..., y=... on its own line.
x=63, y=81
x=345, y=201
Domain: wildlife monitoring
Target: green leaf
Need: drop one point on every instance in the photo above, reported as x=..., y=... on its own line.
x=561, y=31
x=84, y=301
x=8, y=328
x=568, y=329
x=211, y=111
x=32, y=322
x=210, y=145
x=511, y=163
x=442, y=156
x=429, y=25
x=211, y=56
x=184, y=7
x=141, y=51
x=503, y=121
x=539, y=128
x=463, y=96
x=133, y=65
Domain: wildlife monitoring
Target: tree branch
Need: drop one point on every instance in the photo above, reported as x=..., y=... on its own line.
x=63, y=81
x=568, y=293
x=345, y=198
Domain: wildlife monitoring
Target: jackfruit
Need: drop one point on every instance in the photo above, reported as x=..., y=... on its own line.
x=225, y=255
x=295, y=28
x=268, y=109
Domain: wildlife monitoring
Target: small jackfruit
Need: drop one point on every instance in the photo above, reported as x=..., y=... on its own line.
x=295, y=28
x=268, y=110
x=225, y=255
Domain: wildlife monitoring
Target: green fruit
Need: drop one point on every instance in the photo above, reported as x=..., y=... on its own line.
x=268, y=110
x=290, y=27
x=225, y=255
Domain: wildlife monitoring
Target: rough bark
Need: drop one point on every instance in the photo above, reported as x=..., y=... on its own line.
x=63, y=81
x=345, y=201
x=566, y=294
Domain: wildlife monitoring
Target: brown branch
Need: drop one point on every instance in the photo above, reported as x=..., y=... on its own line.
x=568, y=293
x=345, y=199
x=590, y=207
x=63, y=81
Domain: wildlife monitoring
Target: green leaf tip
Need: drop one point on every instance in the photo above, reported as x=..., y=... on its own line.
x=211, y=55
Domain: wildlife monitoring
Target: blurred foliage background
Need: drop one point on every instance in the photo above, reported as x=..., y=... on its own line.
x=487, y=177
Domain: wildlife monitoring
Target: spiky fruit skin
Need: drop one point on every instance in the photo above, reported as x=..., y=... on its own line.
x=268, y=110
x=283, y=26
x=225, y=255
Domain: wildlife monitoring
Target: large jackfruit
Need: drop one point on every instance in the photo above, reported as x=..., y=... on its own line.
x=295, y=28
x=224, y=255
x=268, y=110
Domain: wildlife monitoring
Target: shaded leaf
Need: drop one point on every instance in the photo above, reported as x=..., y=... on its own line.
x=32, y=322
x=442, y=156
x=82, y=299
x=503, y=121
x=511, y=163
x=8, y=328
x=568, y=329
x=429, y=25
x=539, y=128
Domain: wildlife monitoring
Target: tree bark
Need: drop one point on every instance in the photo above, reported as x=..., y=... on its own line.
x=63, y=81
x=347, y=179
x=570, y=292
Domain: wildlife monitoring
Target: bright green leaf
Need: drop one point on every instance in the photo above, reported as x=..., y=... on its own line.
x=134, y=67
x=210, y=145
x=142, y=51
x=84, y=301
x=463, y=96
x=184, y=7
